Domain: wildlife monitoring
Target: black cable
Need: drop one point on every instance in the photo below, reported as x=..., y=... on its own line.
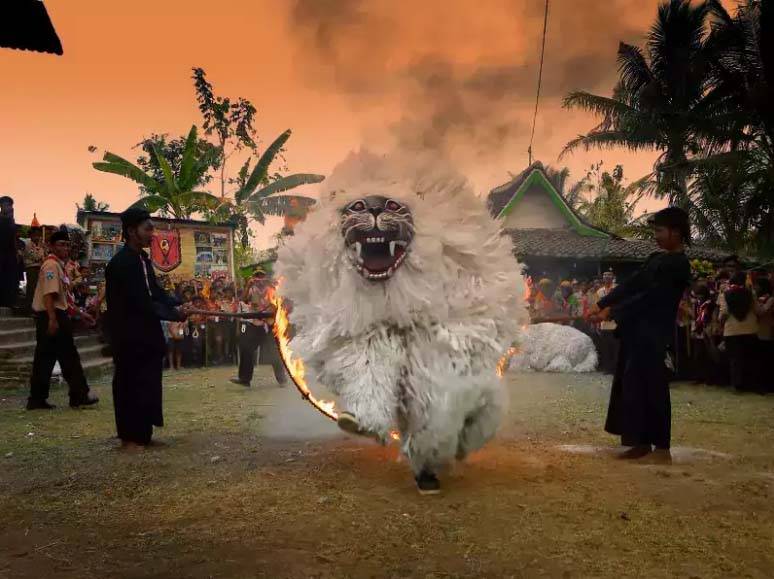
x=540, y=82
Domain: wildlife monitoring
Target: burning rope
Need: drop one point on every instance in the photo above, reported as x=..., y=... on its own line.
x=295, y=366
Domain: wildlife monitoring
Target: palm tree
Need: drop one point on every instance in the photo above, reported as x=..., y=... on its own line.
x=742, y=89
x=612, y=207
x=174, y=194
x=659, y=102
x=724, y=206
x=258, y=196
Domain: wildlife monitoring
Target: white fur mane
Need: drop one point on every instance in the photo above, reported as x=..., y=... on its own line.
x=459, y=269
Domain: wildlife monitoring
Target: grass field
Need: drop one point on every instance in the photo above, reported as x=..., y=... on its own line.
x=233, y=493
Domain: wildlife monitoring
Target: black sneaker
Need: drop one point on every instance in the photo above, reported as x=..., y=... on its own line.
x=86, y=401
x=428, y=484
x=39, y=405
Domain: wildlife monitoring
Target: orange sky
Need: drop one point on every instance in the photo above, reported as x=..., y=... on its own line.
x=458, y=76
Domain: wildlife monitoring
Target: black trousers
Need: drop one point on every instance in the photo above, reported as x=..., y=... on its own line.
x=609, y=347
x=57, y=348
x=766, y=365
x=742, y=361
x=252, y=337
x=137, y=394
x=640, y=409
x=32, y=282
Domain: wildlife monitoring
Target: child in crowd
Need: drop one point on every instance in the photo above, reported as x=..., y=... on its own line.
x=740, y=331
x=175, y=340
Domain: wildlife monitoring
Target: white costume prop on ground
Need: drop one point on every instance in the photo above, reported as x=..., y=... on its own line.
x=555, y=348
x=404, y=297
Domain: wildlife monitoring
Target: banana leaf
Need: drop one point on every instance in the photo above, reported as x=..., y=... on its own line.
x=261, y=169
x=285, y=183
x=112, y=163
x=189, y=160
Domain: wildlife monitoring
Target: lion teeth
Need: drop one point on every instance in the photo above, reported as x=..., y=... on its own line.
x=375, y=240
x=392, y=249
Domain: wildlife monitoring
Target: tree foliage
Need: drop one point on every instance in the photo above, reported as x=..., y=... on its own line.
x=173, y=193
x=91, y=204
x=606, y=202
x=700, y=92
x=172, y=149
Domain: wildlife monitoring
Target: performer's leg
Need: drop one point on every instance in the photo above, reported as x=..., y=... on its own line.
x=368, y=392
x=659, y=418
x=482, y=421
x=42, y=365
x=248, y=346
x=70, y=362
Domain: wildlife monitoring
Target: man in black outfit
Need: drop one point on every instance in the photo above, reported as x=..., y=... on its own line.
x=9, y=255
x=645, y=309
x=54, y=332
x=135, y=307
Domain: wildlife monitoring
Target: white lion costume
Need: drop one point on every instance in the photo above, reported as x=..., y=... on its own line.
x=404, y=298
x=555, y=348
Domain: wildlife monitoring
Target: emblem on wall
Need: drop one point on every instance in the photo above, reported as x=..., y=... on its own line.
x=165, y=249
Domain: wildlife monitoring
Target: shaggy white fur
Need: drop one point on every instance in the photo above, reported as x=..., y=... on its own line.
x=555, y=348
x=416, y=352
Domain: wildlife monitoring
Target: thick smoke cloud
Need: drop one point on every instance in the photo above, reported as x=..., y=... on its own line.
x=459, y=77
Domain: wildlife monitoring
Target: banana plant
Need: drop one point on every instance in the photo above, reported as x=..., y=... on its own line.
x=173, y=195
x=259, y=197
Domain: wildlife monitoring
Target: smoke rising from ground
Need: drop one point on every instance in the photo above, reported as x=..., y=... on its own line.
x=459, y=77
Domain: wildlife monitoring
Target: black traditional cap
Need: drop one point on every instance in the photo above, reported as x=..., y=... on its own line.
x=132, y=217
x=59, y=235
x=674, y=218
x=5, y=199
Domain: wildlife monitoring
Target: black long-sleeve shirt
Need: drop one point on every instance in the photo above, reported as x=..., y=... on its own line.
x=647, y=302
x=131, y=290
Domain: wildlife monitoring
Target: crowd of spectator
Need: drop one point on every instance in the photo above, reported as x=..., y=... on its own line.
x=724, y=331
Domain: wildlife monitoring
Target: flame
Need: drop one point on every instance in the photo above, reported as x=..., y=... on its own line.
x=502, y=365
x=295, y=366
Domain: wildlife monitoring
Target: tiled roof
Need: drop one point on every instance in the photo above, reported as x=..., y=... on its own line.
x=25, y=25
x=566, y=243
x=499, y=197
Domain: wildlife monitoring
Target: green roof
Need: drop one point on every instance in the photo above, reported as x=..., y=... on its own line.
x=504, y=198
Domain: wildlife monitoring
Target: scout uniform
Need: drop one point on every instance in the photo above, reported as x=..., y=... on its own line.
x=57, y=348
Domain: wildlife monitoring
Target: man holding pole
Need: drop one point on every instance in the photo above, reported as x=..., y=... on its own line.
x=136, y=304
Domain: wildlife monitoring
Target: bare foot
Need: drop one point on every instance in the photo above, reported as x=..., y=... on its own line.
x=132, y=447
x=635, y=452
x=661, y=456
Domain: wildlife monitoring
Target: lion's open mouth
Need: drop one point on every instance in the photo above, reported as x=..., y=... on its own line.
x=377, y=255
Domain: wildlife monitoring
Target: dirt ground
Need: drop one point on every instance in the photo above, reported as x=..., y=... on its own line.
x=253, y=483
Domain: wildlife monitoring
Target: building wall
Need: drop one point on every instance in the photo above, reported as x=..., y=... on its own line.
x=188, y=245
x=535, y=210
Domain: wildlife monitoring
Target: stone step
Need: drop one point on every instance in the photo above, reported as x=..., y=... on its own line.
x=8, y=323
x=6, y=312
x=96, y=370
x=24, y=364
x=17, y=335
x=20, y=350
